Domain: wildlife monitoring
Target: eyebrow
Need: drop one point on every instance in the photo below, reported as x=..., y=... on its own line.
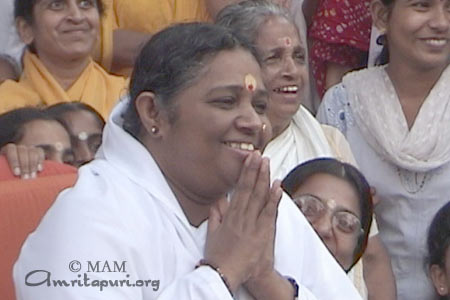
x=297, y=48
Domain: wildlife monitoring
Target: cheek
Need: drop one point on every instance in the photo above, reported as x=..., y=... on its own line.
x=94, y=20
x=345, y=250
x=304, y=74
x=270, y=74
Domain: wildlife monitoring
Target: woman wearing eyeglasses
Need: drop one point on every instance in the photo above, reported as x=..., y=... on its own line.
x=335, y=198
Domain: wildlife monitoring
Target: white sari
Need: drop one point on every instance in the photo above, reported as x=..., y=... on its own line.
x=122, y=209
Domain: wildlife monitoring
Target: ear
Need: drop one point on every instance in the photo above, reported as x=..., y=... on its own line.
x=150, y=112
x=24, y=30
x=380, y=15
x=439, y=279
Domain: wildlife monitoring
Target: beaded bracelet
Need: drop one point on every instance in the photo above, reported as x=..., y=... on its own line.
x=204, y=262
x=294, y=284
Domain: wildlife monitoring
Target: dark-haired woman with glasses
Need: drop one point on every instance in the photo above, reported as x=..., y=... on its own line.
x=335, y=198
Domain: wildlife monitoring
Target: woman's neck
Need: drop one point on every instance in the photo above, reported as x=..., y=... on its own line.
x=278, y=126
x=195, y=207
x=412, y=86
x=66, y=72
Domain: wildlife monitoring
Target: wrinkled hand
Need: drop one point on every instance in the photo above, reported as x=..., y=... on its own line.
x=242, y=232
x=24, y=161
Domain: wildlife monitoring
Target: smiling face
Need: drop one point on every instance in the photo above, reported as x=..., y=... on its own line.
x=339, y=197
x=64, y=29
x=418, y=33
x=51, y=137
x=219, y=121
x=284, y=69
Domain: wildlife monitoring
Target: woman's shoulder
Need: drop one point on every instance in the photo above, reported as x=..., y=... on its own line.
x=334, y=109
x=16, y=94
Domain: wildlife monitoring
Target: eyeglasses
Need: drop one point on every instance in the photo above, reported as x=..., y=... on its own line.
x=314, y=208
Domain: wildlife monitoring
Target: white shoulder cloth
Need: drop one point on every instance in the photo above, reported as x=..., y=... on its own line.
x=303, y=140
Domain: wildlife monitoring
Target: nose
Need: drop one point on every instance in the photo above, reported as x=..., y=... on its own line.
x=82, y=153
x=324, y=227
x=249, y=121
x=74, y=11
x=440, y=19
x=290, y=68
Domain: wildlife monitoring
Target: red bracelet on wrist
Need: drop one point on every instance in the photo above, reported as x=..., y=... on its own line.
x=204, y=262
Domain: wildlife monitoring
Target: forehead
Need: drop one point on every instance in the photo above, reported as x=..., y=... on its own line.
x=331, y=187
x=82, y=120
x=277, y=32
x=230, y=68
x=44, y=132
x=407, y=2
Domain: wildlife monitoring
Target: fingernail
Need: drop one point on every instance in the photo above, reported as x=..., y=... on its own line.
x=256, y=161
x=248, y=160
x=39, y=167
x=33, y=175
x=16, y=171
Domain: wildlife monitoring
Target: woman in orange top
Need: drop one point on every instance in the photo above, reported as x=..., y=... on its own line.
x=57, y=65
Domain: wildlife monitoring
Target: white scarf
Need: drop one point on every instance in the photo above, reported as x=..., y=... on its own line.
x=380, y=117
x=303, y=140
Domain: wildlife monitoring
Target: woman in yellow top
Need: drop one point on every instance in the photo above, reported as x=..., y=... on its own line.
x=57, y=66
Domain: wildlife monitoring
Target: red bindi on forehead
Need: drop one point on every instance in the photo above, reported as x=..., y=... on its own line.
x=250, y=82
x=288, y=41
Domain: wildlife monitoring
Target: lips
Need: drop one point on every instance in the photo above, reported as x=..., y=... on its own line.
x=436, y=42
x=241, y=146
x=76, y=29
x=288, y=89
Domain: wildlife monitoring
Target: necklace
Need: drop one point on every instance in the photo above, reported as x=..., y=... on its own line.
x=412, y=182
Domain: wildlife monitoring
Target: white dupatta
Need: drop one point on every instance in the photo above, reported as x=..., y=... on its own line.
x=380, y=117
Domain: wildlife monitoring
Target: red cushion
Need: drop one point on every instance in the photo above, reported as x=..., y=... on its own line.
x=22, y=205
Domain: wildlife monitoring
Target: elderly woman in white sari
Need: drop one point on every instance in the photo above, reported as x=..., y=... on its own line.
x=179, y=199
x=297, y=136
x=396, y=118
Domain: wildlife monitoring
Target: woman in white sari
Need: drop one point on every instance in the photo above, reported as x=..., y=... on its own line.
x=396, y=119
x=179, y=197
x=297, y=136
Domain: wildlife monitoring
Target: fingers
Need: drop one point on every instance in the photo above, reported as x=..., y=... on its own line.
x=33, y=158
x=269, y=212
x=213, y=219
x=260, y=193
x=10, y=151
x=41, y=158
x=246, y=182
x=24, y=161
x=222, y=206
